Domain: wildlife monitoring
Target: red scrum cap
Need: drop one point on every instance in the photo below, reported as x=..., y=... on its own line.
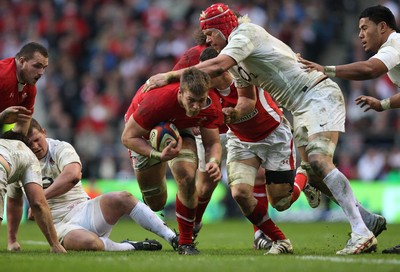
x=220, y=17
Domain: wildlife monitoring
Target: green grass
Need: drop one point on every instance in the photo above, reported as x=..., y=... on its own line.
x=224, y=246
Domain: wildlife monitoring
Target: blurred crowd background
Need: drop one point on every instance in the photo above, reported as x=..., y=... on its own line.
x=102, y=51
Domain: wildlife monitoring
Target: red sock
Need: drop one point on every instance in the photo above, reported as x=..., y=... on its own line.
x=260, y=193
x=300, y=181
x=201, y=208
x=260, y=217
x=185, y=217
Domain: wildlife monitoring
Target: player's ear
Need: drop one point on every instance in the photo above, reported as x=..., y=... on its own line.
x=21, y=60
x=44, y=132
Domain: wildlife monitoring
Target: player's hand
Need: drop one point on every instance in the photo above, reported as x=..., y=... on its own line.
x=57, y=248
x=230, y=115
x=15, y=114
x=171, y=150
x=196, y=131
x=212, y=168
x=15, y=246
x=155, y=81
x=309, y=65
x=30, y=215
x=370, y=103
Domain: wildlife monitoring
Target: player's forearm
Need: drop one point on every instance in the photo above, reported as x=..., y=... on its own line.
x=41, y=212
x=214, y=153
x=65, y=181
x=216, y=66
x=22, y=126
x=60, y=187
x=362, y=70
x=14, y=215
x=138, y=145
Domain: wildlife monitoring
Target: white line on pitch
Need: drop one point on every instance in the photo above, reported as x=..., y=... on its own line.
x=31, y=242
x=349, y=260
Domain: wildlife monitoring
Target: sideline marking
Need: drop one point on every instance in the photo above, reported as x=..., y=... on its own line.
x=345, y=259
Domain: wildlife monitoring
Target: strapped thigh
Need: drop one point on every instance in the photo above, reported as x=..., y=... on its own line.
x=322, y=146
x=185, y=155
x=240, y=173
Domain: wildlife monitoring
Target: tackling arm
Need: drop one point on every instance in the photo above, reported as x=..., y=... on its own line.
x=214, y=67
x=361, y=70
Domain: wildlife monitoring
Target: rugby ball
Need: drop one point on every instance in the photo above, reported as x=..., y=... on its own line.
x=162, y=134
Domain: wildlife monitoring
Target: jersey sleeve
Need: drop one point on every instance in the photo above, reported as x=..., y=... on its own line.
x=389, y=54
x=238, y=48
x=65, y=154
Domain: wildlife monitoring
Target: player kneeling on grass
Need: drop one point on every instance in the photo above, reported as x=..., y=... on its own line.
x=81, y=224
x=18, y=163
x=187, y=104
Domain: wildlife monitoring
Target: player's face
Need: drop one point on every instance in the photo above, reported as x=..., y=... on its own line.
x=38, y=144
x=33, y=69
x=370, y=36
x=215, y=39
x=192, y=103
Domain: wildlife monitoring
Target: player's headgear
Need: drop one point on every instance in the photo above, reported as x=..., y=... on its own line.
x=220, y=17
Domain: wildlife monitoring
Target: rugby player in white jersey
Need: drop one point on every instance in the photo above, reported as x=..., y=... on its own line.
x=262, y=139
x=82, y=224
x=19, y=164
x=379, y=35
x=256, y=58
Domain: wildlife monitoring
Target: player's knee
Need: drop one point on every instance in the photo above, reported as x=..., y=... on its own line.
x=241, y=193
x=282, y=204
x=156, y=204
x=125, y=200
x=86, y=242
x=94, y=245
x=280, y=195
x=155, y=198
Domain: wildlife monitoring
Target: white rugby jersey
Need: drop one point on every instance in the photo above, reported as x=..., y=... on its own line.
x=58, y=156
x=23, y=163
x=389, y=54
x=267, y=62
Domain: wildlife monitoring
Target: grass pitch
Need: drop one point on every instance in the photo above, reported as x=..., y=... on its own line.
x=224, y=246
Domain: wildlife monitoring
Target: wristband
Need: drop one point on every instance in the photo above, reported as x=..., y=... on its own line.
x=214, y=160
x=330, y=71
x=154, y=154
x=385, y=103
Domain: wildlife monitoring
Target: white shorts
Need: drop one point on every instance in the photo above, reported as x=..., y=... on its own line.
x=276, y=152
x=322, y=109
x=201, y=154
x=86, y=215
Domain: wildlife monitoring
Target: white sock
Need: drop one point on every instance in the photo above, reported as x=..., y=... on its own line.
x=110, y=245
x=342, y=192
x=150, y=221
